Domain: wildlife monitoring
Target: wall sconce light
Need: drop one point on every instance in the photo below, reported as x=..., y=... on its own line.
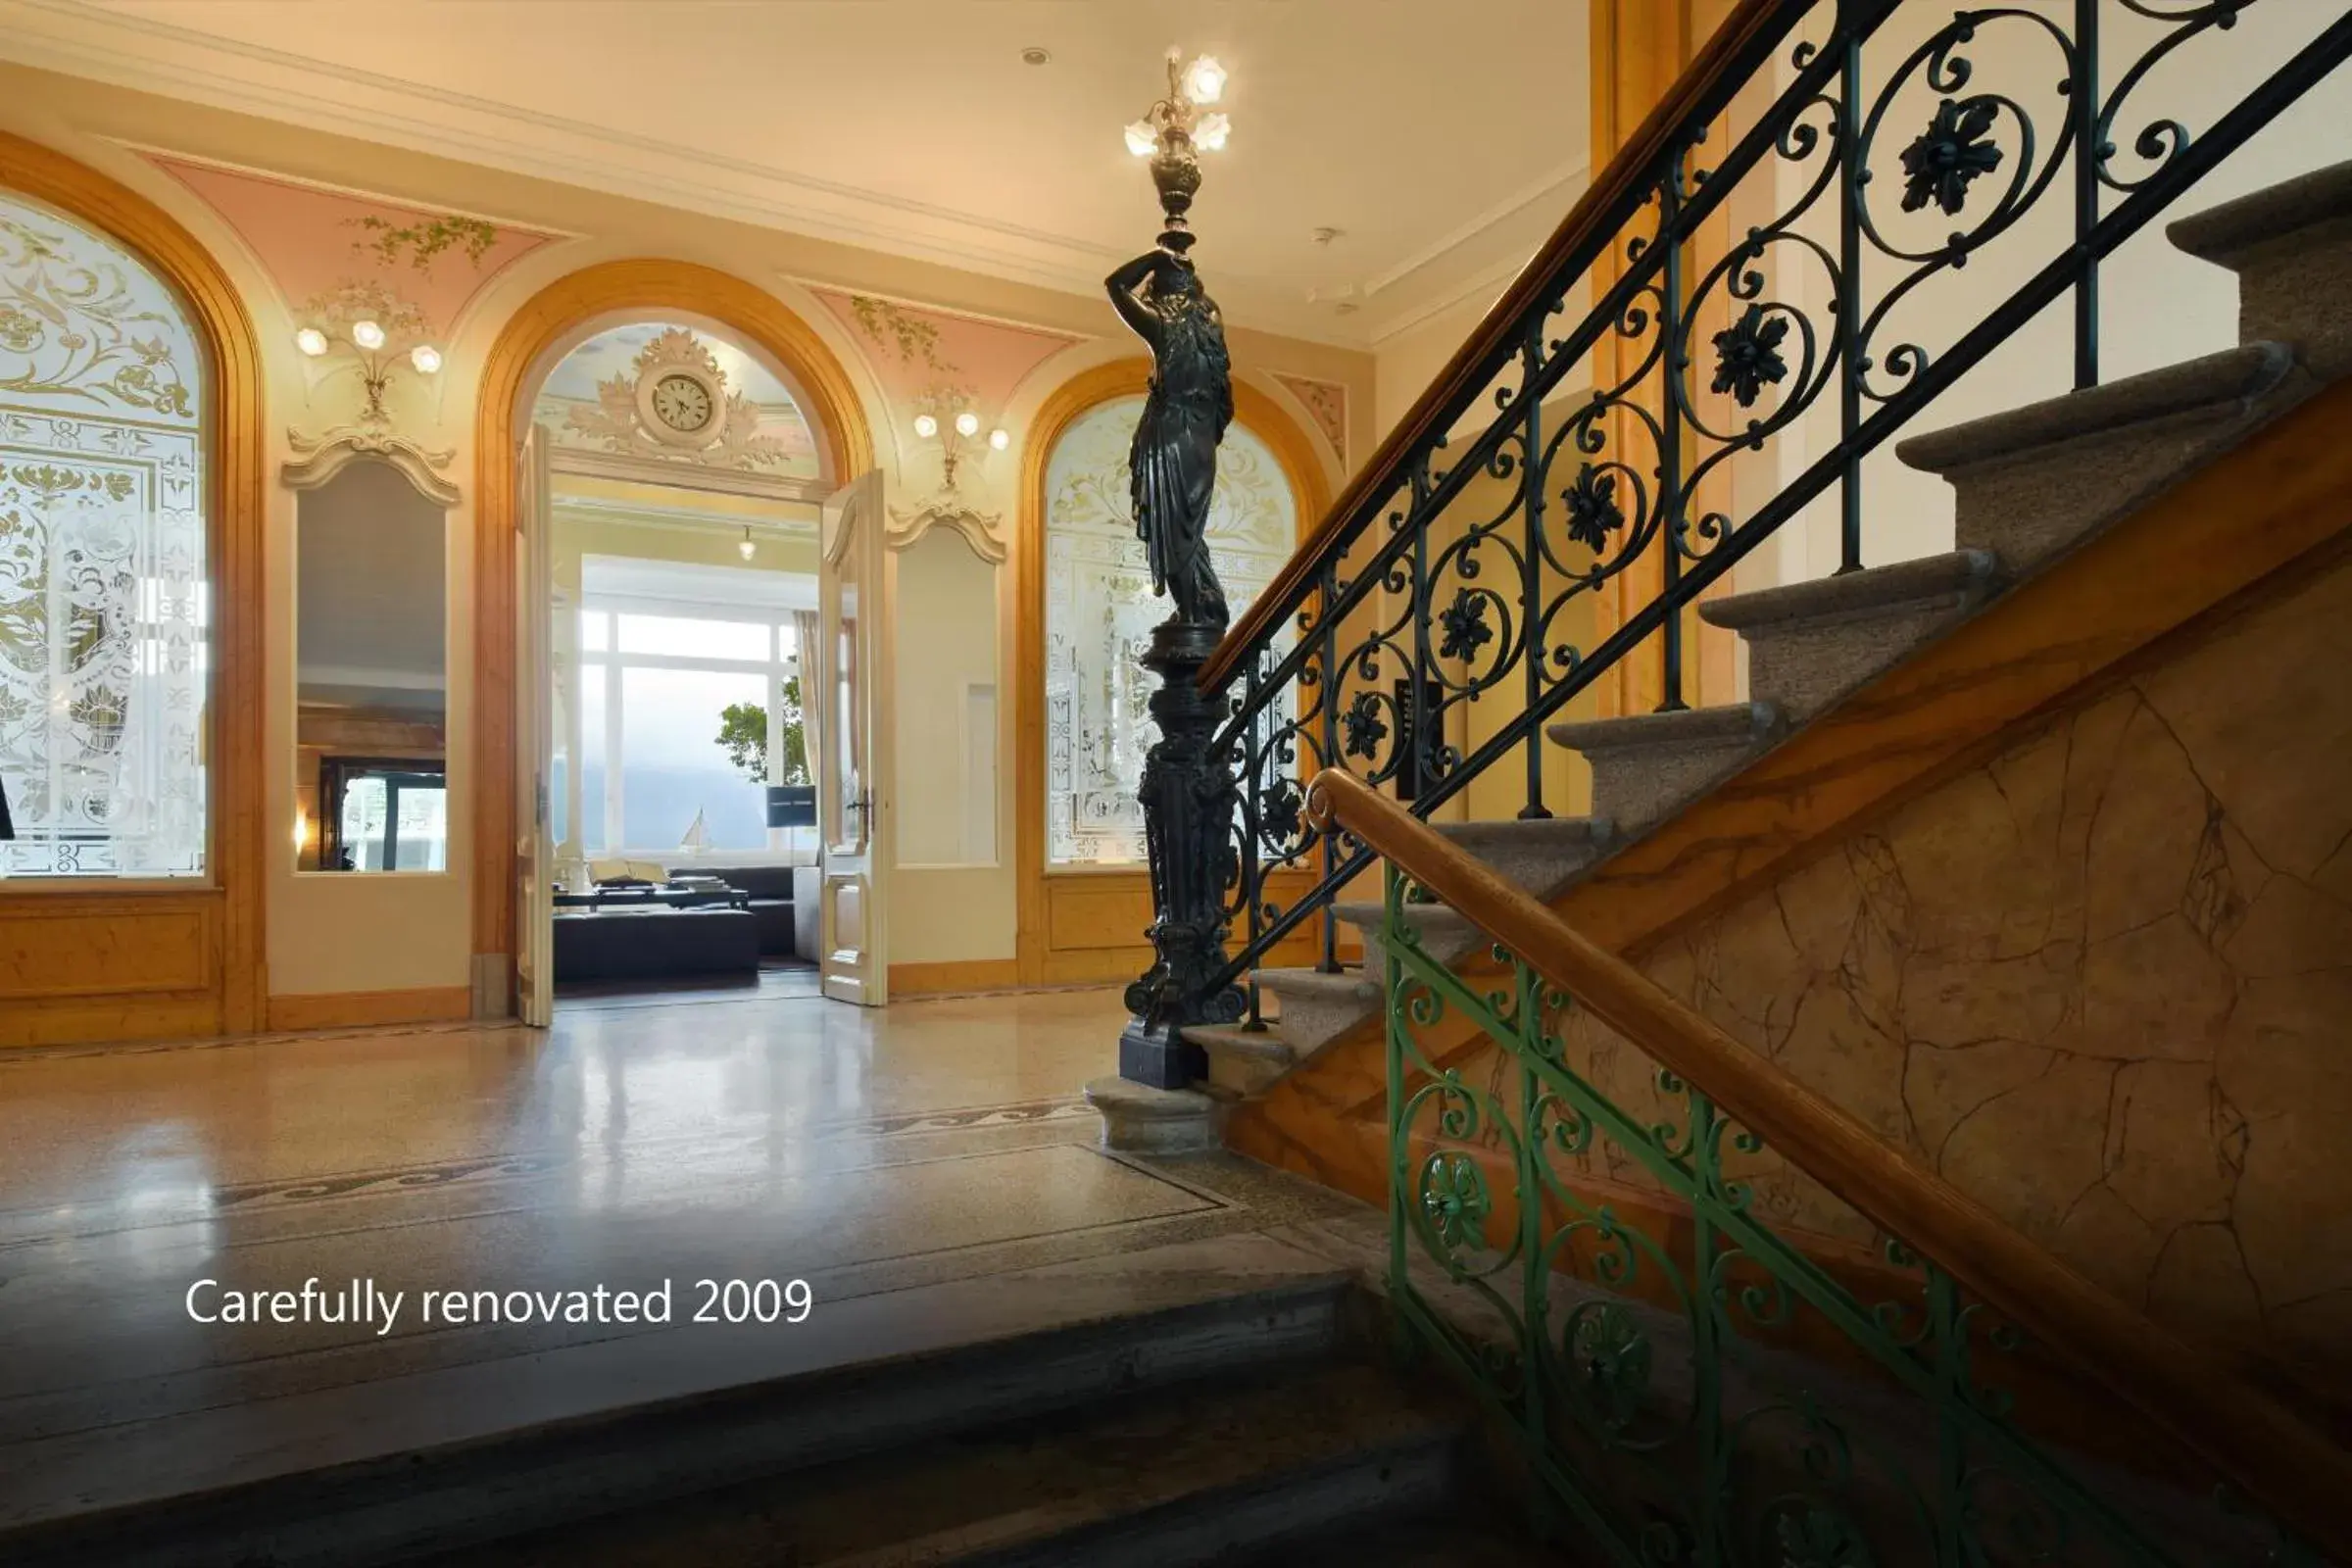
x=378, y=331
x=747, y=549
x=959, y=436
x=955, y=440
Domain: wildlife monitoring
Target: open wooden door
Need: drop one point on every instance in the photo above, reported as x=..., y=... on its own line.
x=534, y=742
x=852, y=748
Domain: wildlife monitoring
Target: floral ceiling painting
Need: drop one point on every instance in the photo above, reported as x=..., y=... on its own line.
x=320, y=244
x=1327, y=401
x=934, y=361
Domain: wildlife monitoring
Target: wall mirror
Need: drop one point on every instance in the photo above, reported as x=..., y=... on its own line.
x=372, y=672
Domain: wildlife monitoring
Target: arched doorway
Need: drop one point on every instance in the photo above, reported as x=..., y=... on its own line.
x=669, y=404
x=137, y=881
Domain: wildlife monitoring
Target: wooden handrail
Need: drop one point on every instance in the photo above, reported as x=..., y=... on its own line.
x=2269, y=1454
x=1501, y=325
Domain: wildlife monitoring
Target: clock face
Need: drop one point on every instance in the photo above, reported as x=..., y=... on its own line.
x=681, y=403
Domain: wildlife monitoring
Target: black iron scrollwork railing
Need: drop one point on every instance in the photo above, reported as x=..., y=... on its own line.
x=1874, y=174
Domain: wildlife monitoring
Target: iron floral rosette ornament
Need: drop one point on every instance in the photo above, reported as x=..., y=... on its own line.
x=1189, y=791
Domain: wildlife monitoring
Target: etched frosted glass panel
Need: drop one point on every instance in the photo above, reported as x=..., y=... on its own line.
x=102, y=558
x=1100, y=612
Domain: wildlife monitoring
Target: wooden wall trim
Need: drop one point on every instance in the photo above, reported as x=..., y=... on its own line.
x=1310, y=492
x=235, y=510
x=648, y=287
x=952, y=977
x=351, y=1009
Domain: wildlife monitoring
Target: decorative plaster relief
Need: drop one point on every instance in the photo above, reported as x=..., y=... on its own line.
x=2101, y=984
x=1327, y=401
x=319, y=459
x=672, y=394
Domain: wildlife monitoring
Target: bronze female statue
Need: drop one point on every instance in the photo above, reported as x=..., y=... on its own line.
x=1174, y=459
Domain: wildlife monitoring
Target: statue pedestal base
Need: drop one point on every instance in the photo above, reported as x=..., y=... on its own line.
x=1188, y=797
x=1160, y=1056
x=1143, y=1121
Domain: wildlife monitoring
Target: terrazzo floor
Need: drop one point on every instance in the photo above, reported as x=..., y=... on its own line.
x=876, y=1155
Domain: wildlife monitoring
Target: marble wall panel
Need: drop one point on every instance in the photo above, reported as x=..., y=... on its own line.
x=2102, y=983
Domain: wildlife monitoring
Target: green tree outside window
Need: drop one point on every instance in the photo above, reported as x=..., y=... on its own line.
x=743, y=735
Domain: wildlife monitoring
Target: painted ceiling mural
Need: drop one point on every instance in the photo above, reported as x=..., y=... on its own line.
x=1327, y=401
x=655, y=389
x=320, y=244
x=935, y=362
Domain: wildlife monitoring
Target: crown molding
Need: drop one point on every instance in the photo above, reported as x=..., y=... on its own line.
x=147, y=54
x=1469, y=232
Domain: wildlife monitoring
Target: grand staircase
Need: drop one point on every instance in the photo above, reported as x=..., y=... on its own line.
x=2032, y=484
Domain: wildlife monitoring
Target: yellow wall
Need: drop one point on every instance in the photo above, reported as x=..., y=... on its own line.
x=328, y=934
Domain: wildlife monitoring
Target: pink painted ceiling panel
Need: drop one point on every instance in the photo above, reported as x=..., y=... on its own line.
x=921, y=355
x=312, y=240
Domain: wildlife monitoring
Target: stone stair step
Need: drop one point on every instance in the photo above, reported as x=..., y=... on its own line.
x=2033, y=482
x=1647, y=766
x=1312, y=1008
x=1542, y=855
x=1242, y=1061
x=585, y=1432
x=1203, y=1475
x=1445, y=935
x=1810, y=642
x=2291, y=246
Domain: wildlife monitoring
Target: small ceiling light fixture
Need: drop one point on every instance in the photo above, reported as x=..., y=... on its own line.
x=1035, y=56
x=311, y=341
x=746, y=550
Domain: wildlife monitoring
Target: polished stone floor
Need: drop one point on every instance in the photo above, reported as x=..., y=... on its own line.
x=874, y=1154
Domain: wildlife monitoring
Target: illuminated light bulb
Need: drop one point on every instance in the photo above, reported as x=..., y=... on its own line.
x=367, y=334
x=426, y=359
x=302, y=830
x=1203, y=80
x=925, y=426
x=311, y=341
x=967, y=423
x=1210, y=135
x=999, y=439
x=1141, y=139
x=747, y=549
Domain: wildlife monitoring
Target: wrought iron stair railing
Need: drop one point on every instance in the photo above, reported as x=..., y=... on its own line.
x=1370, y=645
x=1744, y=1455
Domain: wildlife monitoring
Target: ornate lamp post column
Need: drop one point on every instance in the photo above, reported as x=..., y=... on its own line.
x=1188, y=790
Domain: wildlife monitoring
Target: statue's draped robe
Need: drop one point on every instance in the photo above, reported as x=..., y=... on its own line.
x=1174, y=459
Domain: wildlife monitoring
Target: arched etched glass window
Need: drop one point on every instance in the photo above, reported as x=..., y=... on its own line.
x=1100, y=612
x=102, y=557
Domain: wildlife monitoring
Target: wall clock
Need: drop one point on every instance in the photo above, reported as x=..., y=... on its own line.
x=679, y=406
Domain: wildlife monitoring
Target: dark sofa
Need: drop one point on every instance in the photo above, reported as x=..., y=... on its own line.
x=656, y=944
x=770, y=890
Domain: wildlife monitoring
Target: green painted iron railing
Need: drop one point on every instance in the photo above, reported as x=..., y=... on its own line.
x=1649, y=1384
